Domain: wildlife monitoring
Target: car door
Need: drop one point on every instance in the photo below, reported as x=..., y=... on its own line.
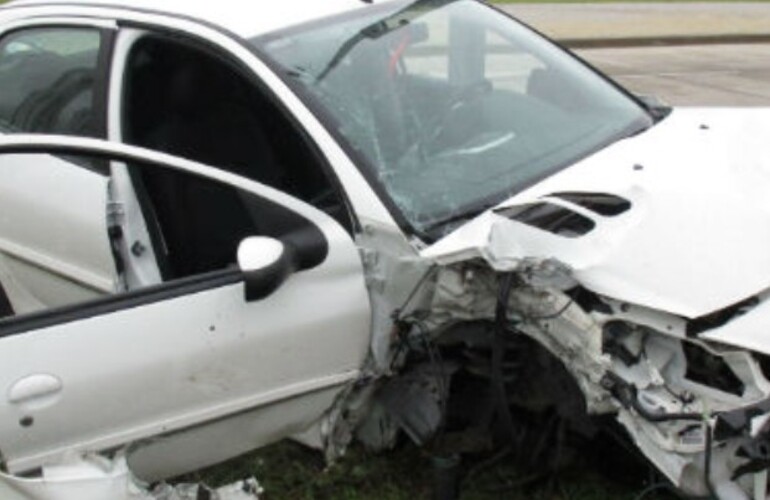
x=53, y=80
x=197, y=369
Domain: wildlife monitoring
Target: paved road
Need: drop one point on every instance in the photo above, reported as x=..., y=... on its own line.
x=708, y=75
x=621, y=20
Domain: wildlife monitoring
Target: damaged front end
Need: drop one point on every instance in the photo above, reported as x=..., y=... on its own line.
x=496, y=350
x=546, y=348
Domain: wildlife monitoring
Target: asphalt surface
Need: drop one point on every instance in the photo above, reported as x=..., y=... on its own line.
x=700, y=75
x=676, y=51
x=609, y=21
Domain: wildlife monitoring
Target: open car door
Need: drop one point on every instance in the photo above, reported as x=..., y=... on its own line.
x=54, y=243
x=199, y=368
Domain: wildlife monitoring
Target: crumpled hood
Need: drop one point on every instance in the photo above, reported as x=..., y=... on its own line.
x=696, y=238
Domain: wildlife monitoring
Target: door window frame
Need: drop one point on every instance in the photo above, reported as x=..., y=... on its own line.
x=36, y=144
x=367, y=206
x=108, y=34
x=135, y=32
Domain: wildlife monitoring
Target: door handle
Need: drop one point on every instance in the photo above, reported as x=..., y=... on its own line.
x=35, y=390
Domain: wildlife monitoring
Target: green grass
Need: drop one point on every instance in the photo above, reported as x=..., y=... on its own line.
x=290, y=471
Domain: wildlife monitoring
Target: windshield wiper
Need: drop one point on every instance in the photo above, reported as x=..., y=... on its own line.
x=381, y=28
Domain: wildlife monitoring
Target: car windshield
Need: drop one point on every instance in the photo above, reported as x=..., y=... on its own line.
x=450, y=106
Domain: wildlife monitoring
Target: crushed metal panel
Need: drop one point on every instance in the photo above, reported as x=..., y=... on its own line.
x=668, y=251
x=93, y=477
x=655, y=370
x=748, y=331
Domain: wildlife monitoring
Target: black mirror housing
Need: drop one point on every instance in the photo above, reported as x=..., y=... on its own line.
x=266, y=264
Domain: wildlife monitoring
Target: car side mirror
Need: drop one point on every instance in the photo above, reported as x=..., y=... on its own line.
x=266, y=263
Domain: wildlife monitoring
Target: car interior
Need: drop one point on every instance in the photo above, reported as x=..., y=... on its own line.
x=46, y=91
x=183, y=100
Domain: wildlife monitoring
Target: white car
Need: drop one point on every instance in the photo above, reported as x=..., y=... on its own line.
x=226, y=223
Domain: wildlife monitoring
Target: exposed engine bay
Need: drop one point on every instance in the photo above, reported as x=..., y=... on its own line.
x=617, y=318
x=486, y=354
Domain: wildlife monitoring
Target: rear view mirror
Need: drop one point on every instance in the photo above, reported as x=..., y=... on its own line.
x=266, y=263
x=418, y=33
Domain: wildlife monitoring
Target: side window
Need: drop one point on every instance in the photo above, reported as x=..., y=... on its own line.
x=196, y=224
x=48, y=81
x=184, y=100
x=73, y=256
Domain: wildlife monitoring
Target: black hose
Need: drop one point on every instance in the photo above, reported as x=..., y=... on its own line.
x=498, y=351
x=707, y=462
x=663, y=417
x=627, y=394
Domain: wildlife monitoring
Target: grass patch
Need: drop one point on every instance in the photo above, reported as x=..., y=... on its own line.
x=290, y=471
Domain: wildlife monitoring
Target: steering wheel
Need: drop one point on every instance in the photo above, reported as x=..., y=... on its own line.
x=461, y=99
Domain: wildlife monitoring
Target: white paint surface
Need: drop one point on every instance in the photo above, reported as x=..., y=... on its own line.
x=697, y=236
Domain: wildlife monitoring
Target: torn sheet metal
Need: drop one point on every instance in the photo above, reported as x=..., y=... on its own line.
x=695, y=238
x=545, y=314
x=93, y=477
x=394, y=277
x=656, y=367
x=748, y=331
x=247, y=489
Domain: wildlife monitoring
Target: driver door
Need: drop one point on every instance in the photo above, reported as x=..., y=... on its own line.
x=200, y=367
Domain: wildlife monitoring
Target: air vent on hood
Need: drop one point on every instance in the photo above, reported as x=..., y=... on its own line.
x=549, y=217
x=604, y=204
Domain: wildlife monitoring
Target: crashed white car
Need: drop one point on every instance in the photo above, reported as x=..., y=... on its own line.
x=226, y=223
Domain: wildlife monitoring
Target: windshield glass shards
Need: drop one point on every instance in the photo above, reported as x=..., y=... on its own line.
x=450, y=105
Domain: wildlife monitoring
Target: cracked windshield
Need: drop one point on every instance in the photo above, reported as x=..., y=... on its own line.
x=450, y=107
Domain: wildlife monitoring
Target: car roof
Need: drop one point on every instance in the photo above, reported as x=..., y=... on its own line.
x=242, y=17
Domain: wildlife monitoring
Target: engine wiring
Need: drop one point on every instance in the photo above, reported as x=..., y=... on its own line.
x=413, y=336
x=498, y=347
x=558, y=314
